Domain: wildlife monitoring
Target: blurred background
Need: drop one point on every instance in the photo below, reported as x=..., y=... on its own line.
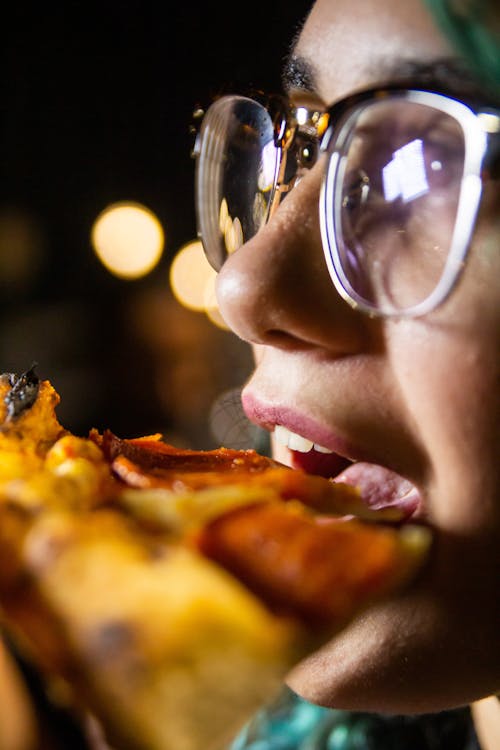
x=100, y=282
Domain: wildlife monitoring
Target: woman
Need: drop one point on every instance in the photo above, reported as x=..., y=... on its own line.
x=386, y=358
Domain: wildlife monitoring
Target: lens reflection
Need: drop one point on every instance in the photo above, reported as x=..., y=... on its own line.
x=236, y=173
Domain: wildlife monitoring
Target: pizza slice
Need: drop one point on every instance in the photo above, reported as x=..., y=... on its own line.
x=164, y=592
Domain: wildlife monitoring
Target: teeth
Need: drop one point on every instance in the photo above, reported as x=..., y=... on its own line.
x=292, y=440
x=296, y=442
x=321, y=448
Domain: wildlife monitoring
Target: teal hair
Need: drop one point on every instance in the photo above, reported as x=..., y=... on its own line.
x=473, y=27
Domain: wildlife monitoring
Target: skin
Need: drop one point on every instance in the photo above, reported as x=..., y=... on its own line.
x=420, y=396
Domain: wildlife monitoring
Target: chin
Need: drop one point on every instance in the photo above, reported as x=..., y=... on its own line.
x=424, y=651
x=433, y=646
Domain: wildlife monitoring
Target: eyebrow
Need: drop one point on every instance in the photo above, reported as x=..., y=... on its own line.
x=298, y=74
x=449, y=73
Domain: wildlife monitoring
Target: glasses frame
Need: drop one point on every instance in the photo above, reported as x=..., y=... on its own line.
x=481, y=129
x=285, y=127
x=480, y=124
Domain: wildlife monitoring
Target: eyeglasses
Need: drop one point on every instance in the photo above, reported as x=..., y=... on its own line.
x=402, y=185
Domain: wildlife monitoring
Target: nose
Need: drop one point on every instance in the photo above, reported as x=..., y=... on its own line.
x=275, y=289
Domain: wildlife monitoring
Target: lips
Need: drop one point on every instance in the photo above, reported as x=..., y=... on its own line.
x=380, y=487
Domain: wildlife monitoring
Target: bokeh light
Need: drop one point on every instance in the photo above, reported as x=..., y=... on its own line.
x=190, y=276
x=128, y=239
x=211, y=306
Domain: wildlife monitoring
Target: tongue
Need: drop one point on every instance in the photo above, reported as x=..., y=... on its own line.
x=380, y=487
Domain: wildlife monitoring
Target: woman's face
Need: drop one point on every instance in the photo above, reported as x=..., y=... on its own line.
x=415, y=402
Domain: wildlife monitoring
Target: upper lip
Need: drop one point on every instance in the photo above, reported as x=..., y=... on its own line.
x=268, y=416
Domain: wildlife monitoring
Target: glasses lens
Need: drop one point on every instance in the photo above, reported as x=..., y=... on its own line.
x=235, y=175
x=396, y=195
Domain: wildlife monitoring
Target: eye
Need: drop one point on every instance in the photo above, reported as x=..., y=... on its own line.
x=301, y=157
x=307, y=152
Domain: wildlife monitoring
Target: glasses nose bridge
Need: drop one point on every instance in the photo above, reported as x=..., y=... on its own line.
x=301, y=126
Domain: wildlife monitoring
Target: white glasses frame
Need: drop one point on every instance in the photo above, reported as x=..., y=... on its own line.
x=480, y=126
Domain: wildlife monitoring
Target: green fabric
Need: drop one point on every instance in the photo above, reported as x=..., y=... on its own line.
x=293, y=724
x=473, y=27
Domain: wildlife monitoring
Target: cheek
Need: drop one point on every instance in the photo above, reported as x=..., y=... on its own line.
x=449, y=383
x=448, y=363
x=488, y=247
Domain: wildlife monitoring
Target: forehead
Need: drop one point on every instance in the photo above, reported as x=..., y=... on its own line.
x=351, y=44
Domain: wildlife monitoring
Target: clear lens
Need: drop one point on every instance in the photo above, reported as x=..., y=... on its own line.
x=394, y=200
x=237, y=162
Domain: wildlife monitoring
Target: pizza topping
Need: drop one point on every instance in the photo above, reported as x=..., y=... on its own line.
x=26, y=437
x=146, y=464
x=275, y=549
x=22, y=393
x=152, y=454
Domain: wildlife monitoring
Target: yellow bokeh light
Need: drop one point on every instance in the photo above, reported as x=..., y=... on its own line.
x=233, y=235
x=190, y=273
x=128, y=239
x=223, y=215
x=211, y=307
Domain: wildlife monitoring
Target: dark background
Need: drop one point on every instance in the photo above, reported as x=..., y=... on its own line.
x=96, y=106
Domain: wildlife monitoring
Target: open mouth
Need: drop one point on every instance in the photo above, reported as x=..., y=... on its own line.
x=379, y=486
